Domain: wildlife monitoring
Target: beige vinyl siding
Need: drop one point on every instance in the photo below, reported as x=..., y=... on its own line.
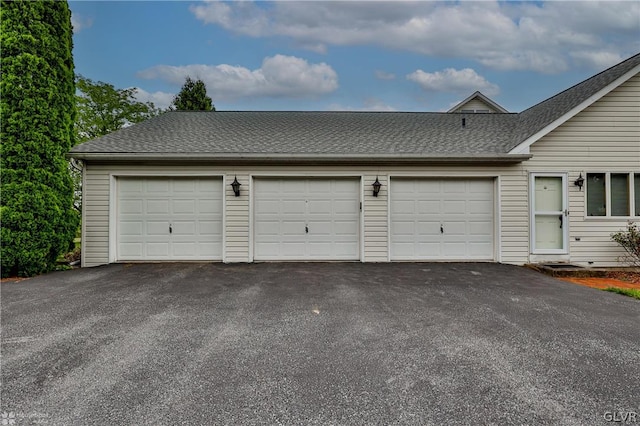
x=475, y=104
x=604, y=137
x=376, y=224
x=237, y=225
x=236, y=242
x=95, y=205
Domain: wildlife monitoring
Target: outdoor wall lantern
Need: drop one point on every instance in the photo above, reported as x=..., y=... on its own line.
x=579, y=182
x=236, y=186
x=376, y=187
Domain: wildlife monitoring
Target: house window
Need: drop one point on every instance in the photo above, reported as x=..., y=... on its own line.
x=613, y=194
x=596, y=195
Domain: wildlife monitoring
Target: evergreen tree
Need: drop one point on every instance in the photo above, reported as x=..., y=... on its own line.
x=193, y=97
x=37, y=109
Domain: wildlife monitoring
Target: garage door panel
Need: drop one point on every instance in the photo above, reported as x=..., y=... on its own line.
x=454, y=249
x=482, y=228
x=154, y=228
x=427, y=206
x=183, y=206
x=464, y=208
x=157, y=207
x=454, y=207
x=477, y=250
x=454, y=228
x=131, y=207
x=320, y=228
x=131, y=250
x=430, y=250
x=295, y=227
x=183, y=249
x=187, y=186
x=480, y=207
x=328, y=208
x=183, y=228
x=454, y=186
x=347, y=228
x=156, y=186
x=402, y=206
x=131, y=186
x=290, y=207
x=319, y=207
x=405, y=228
x=210, y=227
x=427, y=227
x=192, y=206
x=209, y=207
x=157, y=250
x=131, y=228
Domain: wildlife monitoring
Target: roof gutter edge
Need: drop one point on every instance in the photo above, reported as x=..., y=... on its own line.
x=297, y=159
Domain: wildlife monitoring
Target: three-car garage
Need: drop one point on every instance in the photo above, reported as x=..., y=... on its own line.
x=294, y=218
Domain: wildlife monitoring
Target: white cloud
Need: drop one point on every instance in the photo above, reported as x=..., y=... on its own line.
x=279, y=76
x=596, y=59
x=545, y=37
x=80, y=22
x=160, y=100
x=370, y=104
x=383, y=75
x=452, y=80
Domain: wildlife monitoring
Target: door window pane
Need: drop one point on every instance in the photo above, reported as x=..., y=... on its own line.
x=619, y=194
x=596, y=195
x=549, y=233
x=636, y=186
x=548, y=193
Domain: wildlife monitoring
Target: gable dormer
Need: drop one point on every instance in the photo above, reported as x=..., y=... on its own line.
x=478, y=103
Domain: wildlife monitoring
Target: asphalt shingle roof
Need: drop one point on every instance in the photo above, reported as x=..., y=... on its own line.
x=176, y=134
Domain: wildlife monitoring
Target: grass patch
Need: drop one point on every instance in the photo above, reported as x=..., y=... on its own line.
x=631, y=292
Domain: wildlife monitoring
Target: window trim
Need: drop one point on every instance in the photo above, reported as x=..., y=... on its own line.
x=607, y=188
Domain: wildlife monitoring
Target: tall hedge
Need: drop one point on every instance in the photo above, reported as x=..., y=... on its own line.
x=37, y=113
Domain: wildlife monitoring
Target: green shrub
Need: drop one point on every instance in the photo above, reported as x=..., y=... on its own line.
x=629, y=240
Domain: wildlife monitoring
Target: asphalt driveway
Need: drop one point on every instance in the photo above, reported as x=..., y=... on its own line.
x=320, y=343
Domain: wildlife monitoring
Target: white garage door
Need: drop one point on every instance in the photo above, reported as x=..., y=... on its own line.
x=442, y=219
x=169, y=219
x=306, y=219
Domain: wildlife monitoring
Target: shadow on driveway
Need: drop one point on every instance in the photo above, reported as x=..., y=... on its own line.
x=300, y=343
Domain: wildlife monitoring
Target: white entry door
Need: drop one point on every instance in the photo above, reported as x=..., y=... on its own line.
x=169, y=218
x=306, y=219
x=549, y=214
x=442, y=219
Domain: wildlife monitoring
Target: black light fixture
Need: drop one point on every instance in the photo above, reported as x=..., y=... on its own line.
x=376, y=187
x=236, y=186
x=579, y=182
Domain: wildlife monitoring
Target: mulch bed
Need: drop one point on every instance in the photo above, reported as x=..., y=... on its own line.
x=621, y=279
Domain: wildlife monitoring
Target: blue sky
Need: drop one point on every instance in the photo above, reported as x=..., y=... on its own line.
x=352, y=55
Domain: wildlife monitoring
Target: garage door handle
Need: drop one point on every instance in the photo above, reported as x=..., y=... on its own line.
x=170, y=229
x=306, y=229
x=441, y=229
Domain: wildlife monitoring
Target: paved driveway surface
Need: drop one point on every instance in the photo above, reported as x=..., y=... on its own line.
x=322, y=343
